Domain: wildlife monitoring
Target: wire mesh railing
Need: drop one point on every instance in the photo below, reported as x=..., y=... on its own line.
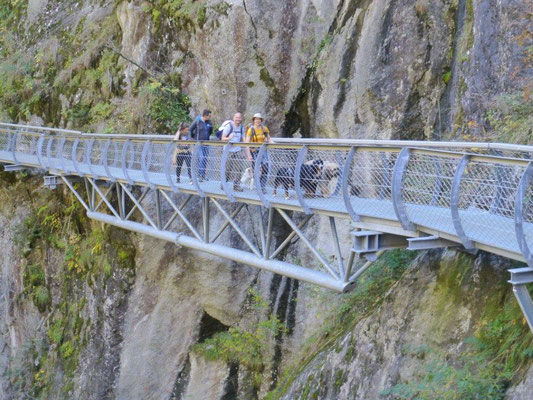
x=476, y=198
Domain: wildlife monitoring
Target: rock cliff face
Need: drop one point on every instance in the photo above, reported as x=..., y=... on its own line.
x=93, y=313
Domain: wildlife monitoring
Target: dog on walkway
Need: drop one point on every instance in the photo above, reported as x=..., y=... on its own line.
x=330, y=171
x=309, y=178
x=247, y=179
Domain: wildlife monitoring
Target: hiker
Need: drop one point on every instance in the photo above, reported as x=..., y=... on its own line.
x=182, y=154
x=201, y=129
x=257, y=132
x=234, y=133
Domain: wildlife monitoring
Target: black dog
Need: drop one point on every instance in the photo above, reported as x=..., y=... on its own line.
x=309, y=178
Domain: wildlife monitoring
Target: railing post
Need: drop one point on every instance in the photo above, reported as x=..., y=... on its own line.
x=168, y=164
x=144, y=163
x=345, y=178
x=223, y=166
x=88, y=151
x=298, y=181
x=194, y=168
x=104, y=158
x=397, y=186
x=519, y=213
x=454, y=203
x=75, y=156
x=257, y=174
x=40, y=143
x=49, y=150
x=438, y=184
x=14, y=146
x=385, y=181
x=124, y=161
x=60, y=153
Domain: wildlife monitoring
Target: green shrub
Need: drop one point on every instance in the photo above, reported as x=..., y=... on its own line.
x=41, y=298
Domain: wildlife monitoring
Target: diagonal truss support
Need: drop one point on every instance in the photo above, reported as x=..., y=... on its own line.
x=259, y=253
x=237, y=228
x=311, y=247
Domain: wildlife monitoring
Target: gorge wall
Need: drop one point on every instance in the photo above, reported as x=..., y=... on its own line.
x=93, y=312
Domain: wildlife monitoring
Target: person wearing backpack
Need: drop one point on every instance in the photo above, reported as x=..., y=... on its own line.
x=201, y=129
x=257, y=132
x=234, y=133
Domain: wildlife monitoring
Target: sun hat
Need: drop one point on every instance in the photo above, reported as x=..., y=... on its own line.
x=258, y=115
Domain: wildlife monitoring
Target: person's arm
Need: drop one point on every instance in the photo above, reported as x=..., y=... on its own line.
x=227, y=133
x=193, y=129
x=248, y=139
x=268, y=136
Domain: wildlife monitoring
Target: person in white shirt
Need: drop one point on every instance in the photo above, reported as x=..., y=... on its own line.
x=234, y=133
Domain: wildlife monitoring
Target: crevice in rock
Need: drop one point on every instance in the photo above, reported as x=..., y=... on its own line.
x=251, y=21
x=181, y=382
x=298, y=117
x=348, y=57
x=209, y=327
x=231, y=387
x=449, y=97
x=282, y=311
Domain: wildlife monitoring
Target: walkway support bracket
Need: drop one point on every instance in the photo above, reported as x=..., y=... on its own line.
x=519, y=278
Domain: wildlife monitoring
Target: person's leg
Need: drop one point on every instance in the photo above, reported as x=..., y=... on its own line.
x=179, y=163
x=202, y=162
x=187, y=158
x=264, y=175
x=235, y=170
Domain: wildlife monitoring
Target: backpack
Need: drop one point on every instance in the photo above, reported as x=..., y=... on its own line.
x=221, y=128
x=251, y=126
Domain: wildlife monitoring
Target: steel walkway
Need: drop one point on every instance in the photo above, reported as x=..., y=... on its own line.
x=396, y=193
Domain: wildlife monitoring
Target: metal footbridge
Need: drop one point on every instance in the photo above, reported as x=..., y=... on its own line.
x=417, y=195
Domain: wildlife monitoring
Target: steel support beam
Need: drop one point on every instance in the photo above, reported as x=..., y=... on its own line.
x=279, y=267
x=178, y=211
x=311, y=247
x=235, y=226
x=139, y=206
x=335, y=236
x=429, y=242
x=75, y=192
x=206, y=218
x=226, y=223
x=159, y=219
x=104, y=198
x=288, y=239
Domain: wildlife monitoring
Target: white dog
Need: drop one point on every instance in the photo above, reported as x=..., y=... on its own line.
x=247, y=179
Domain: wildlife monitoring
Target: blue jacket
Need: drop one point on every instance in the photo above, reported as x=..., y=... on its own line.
x=200, y=130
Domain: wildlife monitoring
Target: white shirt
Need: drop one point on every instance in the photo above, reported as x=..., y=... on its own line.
x=238, y=134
